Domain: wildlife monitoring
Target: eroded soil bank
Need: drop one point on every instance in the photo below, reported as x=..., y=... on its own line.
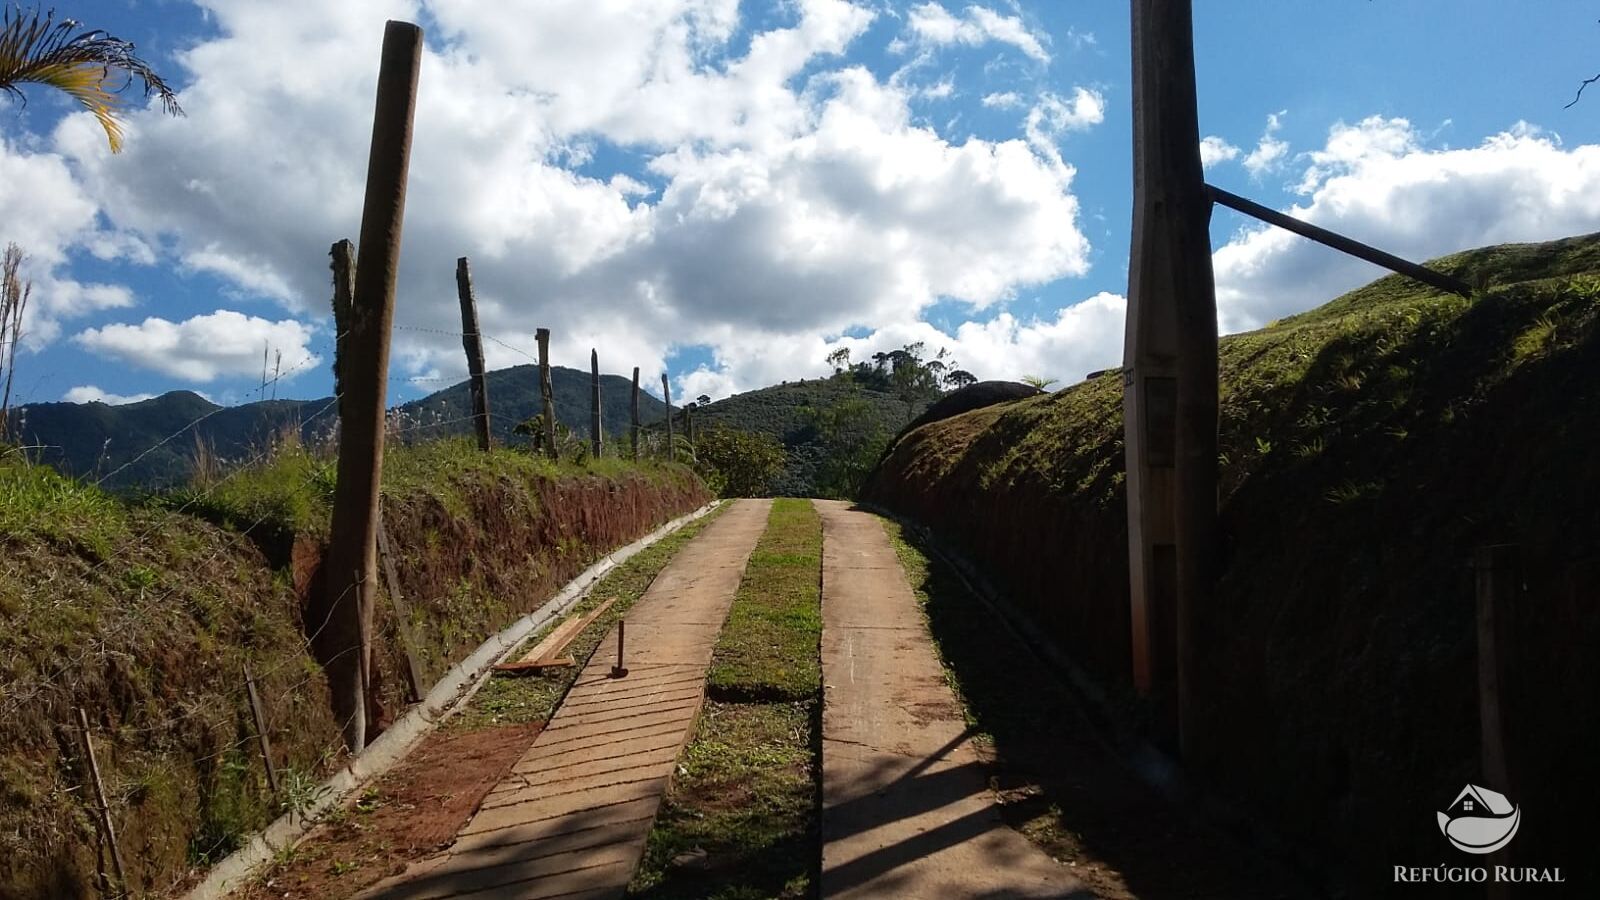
x=144, y=613
x=1368, y=448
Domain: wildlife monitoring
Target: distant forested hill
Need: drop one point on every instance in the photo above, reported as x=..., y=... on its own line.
x=95, y=439
x=780, y=410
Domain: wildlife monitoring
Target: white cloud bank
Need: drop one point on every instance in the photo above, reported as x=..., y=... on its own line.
x=204, y=348
x=1378, y=182
x=785, y=194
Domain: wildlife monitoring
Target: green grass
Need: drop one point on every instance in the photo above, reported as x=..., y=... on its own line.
x=741, y=820
x=516, y=698
x=767, y=650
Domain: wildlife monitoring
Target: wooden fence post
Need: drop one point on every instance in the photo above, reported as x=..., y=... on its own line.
x=260, y=718
x=472, y=342
x=402, y=617
x=666, y=395
x=344, y=289
x=547, y=392
x=594, y=399
x=1170, y=376
x=635, y=413
x=349, y=569
x=107, y=828
x=688, y=429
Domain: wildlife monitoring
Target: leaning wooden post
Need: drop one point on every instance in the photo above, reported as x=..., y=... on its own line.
x=259, y=716
x=1170, y=374
x=547, y=392
x=594, y=403
x=350, y=566
x=402, y=618
x=635, y=413
x=102, y=808
x=666, y=395
x=472, y=342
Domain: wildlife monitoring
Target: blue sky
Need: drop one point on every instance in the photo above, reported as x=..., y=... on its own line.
x=730, y=190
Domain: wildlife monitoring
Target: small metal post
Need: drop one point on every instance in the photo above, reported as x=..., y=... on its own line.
x=261, y=729
x=619, y=670
x=101, y=806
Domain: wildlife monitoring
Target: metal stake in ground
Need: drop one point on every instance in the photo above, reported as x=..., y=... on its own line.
x=1170, y=373
x=547, y=392
x=102, y=809
x=619, y=670
x=594, y=402
x=666, y=395
x=635, y=413
x=351, y=562
x=472, y=342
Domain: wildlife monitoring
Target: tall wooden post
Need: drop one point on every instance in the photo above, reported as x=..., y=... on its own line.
x=1496, y=570
x=594, y=403
x=350, y=567
x=666, y=395
x=472, y=342
x=547, y=392
x=1170, y=375
x=635, y=434
x=688, y=428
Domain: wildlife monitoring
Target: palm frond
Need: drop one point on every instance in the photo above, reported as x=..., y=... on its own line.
x=34, y=48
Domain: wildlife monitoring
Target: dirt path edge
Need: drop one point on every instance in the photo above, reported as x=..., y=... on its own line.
x=447, y=695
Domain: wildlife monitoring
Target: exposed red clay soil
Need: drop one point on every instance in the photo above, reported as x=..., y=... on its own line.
x=415, y=808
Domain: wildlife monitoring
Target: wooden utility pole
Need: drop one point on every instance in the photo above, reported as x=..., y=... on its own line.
x=666, y=395
x=547, y=392
x=350, y=567
x=594, y=403
x=1170, y=375
x=472, y=342
x=635, y=414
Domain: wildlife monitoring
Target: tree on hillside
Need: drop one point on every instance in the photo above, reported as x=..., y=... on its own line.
x=956, y=379
x=852, y=439
x=839, y=360
x=85, y=64
x=739, y=463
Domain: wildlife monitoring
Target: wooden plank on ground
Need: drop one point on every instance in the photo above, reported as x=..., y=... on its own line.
x=544, y=654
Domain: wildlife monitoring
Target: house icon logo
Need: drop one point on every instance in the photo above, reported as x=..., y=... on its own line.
x=1480, y=820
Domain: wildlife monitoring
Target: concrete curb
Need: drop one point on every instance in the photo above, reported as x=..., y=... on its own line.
x=448, y=695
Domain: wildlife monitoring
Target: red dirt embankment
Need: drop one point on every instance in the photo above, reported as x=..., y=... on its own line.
x=144, y=617
x=1368, y=448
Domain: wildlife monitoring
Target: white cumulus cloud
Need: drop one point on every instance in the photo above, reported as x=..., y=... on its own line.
x=88, y=393
x=1271, y=152
x=204, y=348
x=932, y=25
x=1214, y=150
x=1378, y=182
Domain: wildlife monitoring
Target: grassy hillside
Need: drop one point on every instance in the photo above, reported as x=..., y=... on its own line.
x=144, y=612
x=94, y=439
x=1367, y=448
x=779, y=410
